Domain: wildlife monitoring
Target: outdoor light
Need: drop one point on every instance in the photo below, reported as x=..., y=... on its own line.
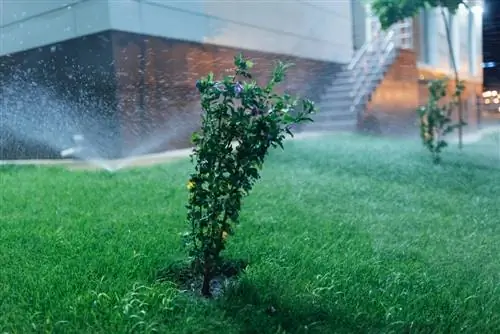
x=487, y=94
x=477, y=9
x=494, y=93
x=487, y=101
x=496, y=100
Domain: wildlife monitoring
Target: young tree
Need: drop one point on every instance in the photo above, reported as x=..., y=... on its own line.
x=390, y=12
x=236, y=109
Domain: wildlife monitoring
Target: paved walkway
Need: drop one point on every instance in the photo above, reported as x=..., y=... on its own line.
x=144, y=160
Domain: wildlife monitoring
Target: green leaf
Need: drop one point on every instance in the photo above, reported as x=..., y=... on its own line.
x=223, y=174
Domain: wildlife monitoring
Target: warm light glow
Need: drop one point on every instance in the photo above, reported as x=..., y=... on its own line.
x=487, y=94
x=487, y=101
x=477, y=9
x=496, y=100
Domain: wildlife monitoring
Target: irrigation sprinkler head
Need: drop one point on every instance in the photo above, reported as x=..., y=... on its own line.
x=72, y=151
x=69, y=152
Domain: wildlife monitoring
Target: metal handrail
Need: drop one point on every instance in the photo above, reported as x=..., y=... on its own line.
x=362, y=51
x=358, y=77
x=357, y=101
x=374, y=53
x=374, y=75
x=359, y=90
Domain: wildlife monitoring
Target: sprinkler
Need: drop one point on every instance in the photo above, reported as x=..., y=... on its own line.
x=78, y=147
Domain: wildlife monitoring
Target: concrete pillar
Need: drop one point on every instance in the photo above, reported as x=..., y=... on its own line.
x=359, y=23
x=431, y=37
x=471, y=43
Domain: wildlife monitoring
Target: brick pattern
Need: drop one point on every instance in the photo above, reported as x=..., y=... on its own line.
x=395, y=100
x=170, y=68
x=469, y=97
x=141, y=87
x=394, y=103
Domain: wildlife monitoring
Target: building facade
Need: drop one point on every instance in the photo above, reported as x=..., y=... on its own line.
x=424, y=55
x=139, y=60
x=125, y=70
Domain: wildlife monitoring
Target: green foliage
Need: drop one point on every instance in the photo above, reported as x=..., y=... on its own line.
x=241, y=121
x=435, y=117
x=85, y=237
x=435, y=120
x=390, y=12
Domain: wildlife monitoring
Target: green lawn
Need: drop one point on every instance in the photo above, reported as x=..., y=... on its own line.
x=347, y=235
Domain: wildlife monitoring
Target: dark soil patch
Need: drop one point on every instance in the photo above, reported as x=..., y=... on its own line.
x=187, y=280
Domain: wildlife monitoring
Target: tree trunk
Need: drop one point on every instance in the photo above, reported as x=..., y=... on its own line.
x=457, y=79
x=207, y=277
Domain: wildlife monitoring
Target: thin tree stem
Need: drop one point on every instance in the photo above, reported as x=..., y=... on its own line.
x=455, y=71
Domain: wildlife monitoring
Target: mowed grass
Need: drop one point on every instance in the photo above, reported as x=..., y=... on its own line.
x=344, y=234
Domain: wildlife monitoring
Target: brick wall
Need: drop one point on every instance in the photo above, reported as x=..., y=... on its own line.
x=137, y=92
x=404, y=88
x=469, y=96
x=168, y=100
x=395, y=100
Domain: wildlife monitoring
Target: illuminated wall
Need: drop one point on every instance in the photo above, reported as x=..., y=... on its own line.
x=311, y=29
x=466, y=35
x=140, y=59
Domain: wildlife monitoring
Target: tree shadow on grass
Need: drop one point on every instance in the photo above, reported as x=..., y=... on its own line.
x=261, y=312
x=264, y=312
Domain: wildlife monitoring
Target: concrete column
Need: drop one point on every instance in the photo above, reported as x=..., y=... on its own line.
x=471, y=43
x=431, y=37
x=477, y=46
x=359, y=23
x=420, y=35
x=368, y=23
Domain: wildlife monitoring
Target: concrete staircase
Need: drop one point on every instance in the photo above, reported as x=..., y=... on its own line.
x=345, y=100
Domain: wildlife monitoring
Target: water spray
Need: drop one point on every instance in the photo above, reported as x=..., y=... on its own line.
x=77, y=149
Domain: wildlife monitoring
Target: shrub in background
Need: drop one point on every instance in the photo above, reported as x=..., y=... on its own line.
x=390, y=12
x=241, y=121
x=435, y=117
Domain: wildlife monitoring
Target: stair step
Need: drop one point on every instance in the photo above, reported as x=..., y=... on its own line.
x=345, y=80
x=343, y=74
x=343, y=86
x=335, y=104
x=332, y=125
x=333, y=96
x=337, y=100
x=338, y=88
x=333, y=115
